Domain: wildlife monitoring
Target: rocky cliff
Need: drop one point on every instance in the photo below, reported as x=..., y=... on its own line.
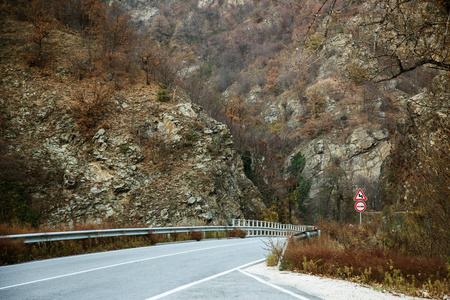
x=148, y=162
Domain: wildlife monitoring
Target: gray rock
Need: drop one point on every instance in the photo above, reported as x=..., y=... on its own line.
x=208, y=216
x=121, y=188
x=69, y=181
x=165, y=214
x=192, y=200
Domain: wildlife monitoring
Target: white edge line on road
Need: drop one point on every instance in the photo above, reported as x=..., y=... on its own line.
x=203, y=280
x=119, y=264
x=274, y=286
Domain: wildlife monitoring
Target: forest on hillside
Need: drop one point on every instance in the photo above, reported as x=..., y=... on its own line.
x=223, y=55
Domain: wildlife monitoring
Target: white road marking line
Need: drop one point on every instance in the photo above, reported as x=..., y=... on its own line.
x=120, y=264
x=203, y=280
x=274, y=286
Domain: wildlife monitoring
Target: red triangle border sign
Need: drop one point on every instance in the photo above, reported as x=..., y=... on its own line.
x=360, y=196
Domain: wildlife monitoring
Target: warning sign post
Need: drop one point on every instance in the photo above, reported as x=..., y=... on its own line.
x=360, y=205
x=360, y=196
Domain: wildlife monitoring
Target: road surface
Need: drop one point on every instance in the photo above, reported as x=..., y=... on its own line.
x=209, y=269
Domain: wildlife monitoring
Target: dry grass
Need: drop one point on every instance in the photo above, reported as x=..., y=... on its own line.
x=15, y=251
x=275, y=252
x=6, y=229
x=237, y=232
x=352, y=253
x=196, y=235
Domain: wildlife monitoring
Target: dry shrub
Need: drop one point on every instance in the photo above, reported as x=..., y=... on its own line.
x=346, y=252
x=237, y=232
x=157, y=238
x=179, y=236
x=12, y=251
x=6, y=229
x=90, y=106
x=15, y=251
x=216, y=234
x=357, y=73
x=276, y=251
x=196, y=235
x=311, y=127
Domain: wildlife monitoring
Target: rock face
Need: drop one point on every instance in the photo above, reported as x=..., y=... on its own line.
x=151, y=163
x=424, y=141
x=360, y=155
x=197, y=176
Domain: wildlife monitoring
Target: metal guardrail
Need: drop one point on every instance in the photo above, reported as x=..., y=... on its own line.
x=252, y=227
x=307, y=234
x=265, y=228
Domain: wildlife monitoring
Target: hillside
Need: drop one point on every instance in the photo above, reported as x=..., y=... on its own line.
x=80, y=151
x=301, y=76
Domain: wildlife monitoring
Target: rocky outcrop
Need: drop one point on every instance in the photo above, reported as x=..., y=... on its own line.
x=229, y=3
x=421, y=149
x=360, y=155
x=150, y=163
x=196, y=176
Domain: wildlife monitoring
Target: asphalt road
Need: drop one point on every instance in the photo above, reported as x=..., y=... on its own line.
x=210, y=269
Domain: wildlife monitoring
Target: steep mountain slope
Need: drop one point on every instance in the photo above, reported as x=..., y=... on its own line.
x=294, y=76
x=150, y=159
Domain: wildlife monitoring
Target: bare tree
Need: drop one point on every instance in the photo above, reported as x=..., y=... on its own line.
x=43, y=23
x=405, y=35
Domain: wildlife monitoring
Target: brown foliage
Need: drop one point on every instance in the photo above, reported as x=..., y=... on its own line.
x=157, y=64
x=90, y=106
x=196, y=235
x=11, y=251
x=346, y=252
x=237, y=232
x=16, y=251
x=41, y=17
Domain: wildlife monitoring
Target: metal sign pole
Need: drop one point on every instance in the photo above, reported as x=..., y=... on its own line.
x=360, y=218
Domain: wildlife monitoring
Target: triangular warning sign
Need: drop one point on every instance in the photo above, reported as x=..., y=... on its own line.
x=360, y=196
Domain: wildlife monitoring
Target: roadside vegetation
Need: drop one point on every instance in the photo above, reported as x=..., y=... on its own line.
x=16, y=251
x=365, y=255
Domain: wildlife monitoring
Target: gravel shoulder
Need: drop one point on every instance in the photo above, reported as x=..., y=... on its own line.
x=320, y=287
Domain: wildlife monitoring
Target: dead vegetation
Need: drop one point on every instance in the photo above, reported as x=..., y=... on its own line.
x=359, y=254
x=16, y=251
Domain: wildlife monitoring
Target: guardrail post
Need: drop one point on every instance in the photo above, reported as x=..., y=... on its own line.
x=253, y=230
x=259, y=228
x=265, y=227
